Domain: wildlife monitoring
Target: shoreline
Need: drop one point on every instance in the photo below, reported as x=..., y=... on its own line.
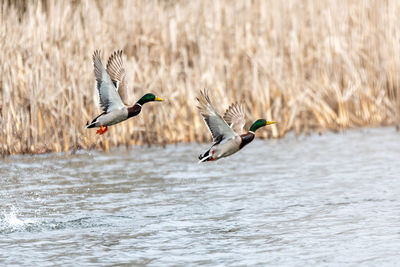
x=127, y=148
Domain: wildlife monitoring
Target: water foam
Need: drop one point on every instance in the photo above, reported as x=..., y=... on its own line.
x=11, y=223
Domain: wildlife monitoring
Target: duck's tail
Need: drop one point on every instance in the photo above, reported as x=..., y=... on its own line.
x=205, y=157
x=90, y=125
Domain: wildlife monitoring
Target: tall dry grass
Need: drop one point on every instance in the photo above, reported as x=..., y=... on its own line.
x=310, y=65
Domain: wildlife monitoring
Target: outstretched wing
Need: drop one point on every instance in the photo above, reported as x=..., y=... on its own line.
x=109, y=98
x=116, y=71
x=234, y=117
x=217, y=126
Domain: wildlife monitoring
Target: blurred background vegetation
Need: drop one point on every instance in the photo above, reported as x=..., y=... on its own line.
x=310, y=65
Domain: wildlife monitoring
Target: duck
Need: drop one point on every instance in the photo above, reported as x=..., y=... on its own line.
x=109, y=82
x=227, y=131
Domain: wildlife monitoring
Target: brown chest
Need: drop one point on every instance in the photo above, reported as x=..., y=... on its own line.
x=134, y=110
x=246, y=138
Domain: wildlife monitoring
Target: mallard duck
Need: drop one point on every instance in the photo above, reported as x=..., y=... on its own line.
x=227, y=131
x=109, y=82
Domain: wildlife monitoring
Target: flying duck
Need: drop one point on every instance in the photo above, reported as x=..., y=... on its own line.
x=227, y=132
x=109, y=82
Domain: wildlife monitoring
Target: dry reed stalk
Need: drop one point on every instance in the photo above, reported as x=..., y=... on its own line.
x=310, y=65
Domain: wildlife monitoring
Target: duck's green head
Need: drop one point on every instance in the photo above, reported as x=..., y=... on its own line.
x=260, y=123
x=148, y=98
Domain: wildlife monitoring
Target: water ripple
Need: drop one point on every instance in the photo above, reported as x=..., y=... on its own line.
x=315, y=200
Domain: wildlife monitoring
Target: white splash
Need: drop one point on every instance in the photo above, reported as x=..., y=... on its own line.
x=10, y=220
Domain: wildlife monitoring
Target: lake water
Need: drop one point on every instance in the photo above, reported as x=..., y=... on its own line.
x=314, y=200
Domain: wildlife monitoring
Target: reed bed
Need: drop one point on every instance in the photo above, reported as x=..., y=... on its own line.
x=310, y=65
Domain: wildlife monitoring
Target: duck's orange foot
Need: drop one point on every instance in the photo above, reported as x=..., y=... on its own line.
x=102, y=130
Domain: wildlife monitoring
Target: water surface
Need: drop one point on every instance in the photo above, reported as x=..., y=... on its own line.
x=330, y=199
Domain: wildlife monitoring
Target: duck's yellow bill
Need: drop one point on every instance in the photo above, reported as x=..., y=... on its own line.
x=158, y=99
x=270, y=122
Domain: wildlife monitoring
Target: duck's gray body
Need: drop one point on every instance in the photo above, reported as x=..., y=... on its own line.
x=108, y=119
x=225, y=148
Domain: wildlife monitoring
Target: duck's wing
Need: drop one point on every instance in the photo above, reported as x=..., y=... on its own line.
x=234, y=117
x=116, y=71
x=215, y=123
x=109, y=98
